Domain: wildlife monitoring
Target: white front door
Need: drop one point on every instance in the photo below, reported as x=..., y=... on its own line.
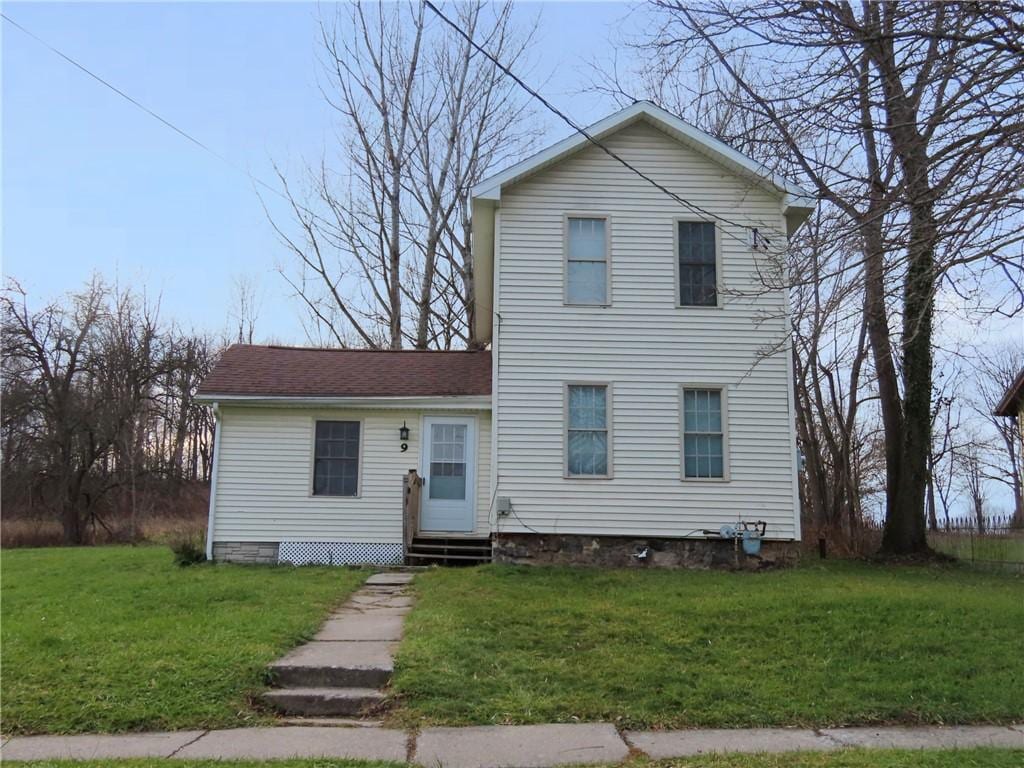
x=449, y=472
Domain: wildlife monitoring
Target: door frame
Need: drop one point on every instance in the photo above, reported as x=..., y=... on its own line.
x=472, y=457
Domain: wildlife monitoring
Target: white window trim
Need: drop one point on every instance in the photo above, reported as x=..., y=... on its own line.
x=609, y=421
x=726, y=464
x=607, y=258
x=312, y=457
x=718, y=262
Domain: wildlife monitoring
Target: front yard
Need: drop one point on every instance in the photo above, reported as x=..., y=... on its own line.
x=842, y=644
x=119, y=638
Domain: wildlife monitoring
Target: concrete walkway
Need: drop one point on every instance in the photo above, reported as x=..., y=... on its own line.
x=342, y=669
x=517, y=746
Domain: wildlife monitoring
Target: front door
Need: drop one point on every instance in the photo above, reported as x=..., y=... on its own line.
x=449, y=470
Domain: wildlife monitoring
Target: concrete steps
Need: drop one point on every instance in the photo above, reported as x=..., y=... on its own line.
x=340, y=671
x=313, y=702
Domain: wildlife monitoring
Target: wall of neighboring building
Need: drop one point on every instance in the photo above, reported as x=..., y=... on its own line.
x=644, y=346
x=263, y=494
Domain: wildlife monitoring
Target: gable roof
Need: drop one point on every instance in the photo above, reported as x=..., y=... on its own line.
x=1009, y=404
x=249, y=371
x=797, y=204
x=690, y=135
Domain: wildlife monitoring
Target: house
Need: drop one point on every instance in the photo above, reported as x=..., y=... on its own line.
x=1011, y=406
x=634, y=399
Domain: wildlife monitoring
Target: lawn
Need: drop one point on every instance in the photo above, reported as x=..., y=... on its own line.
x=885, y=758
x=845, y=643
x=121, y=639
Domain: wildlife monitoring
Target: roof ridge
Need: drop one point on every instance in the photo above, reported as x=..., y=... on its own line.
x=297, y=348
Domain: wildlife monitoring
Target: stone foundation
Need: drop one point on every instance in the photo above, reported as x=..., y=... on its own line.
x=245, y=552
x=621, y=551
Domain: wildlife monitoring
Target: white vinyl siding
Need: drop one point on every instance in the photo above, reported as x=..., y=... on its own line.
x=265, y=472
x=645, y=345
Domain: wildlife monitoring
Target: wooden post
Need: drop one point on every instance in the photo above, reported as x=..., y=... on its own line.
x=411, y=485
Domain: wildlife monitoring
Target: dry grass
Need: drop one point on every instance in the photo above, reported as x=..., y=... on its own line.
x=162, y=517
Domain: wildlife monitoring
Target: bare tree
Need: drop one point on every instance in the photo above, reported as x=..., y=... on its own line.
x=998, y=368
x=904, y=117
x=98, y=399
x=245, y=308
x=380, y=252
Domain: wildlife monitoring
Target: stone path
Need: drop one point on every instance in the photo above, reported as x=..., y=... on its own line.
x=516, y=746
x=342, y=669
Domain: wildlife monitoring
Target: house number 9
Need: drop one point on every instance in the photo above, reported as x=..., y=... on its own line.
x=405, y=447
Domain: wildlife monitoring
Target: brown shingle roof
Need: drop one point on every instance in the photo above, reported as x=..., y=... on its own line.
x=306, y=372
x=1011, y=399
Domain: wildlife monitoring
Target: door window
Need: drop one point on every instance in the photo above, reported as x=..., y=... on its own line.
x=447, y=462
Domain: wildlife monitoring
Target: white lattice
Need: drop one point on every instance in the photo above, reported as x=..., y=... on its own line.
x=339, y=553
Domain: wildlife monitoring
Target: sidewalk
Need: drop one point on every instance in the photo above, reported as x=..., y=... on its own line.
x=514, y=746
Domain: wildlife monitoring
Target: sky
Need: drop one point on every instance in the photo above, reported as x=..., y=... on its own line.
x=92, y=184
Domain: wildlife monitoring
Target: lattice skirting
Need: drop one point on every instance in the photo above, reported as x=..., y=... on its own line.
x=340, y=553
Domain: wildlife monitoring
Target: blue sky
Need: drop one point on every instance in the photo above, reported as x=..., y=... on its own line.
x=93, y=184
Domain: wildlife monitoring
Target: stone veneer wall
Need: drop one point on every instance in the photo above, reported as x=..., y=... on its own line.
x=619, y=551
x=245, y=551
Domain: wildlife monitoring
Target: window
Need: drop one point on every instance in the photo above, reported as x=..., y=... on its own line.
x=586, y=267
x=336, y=458
x=448, y=461
x=587, y=439
x=698, y=273
x=703, y=434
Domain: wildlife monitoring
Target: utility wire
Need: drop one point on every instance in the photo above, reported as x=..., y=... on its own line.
x=185, y=134
x=580, y=129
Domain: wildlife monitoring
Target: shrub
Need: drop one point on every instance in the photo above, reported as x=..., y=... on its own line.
x=188, y=549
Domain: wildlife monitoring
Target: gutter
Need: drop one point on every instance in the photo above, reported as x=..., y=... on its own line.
x=213, y=480
x=463, y=402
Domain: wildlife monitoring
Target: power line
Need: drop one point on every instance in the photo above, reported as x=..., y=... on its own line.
x=580, y=129
x=181, y=132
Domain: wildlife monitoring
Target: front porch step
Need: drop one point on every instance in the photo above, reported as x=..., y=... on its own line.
x=449, y=550
x=468, y=548
x=312, y=702
x=437, y=556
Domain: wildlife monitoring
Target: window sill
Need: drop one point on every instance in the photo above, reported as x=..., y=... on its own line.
x=567, y=476
x=700, y=480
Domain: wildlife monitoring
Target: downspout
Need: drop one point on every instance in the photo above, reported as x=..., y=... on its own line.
x=213, y=480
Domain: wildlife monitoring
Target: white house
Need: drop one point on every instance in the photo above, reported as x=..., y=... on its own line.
x=636, y=396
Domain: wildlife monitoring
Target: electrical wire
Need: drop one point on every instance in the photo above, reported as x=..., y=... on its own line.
x=156, y=116
x=583, y=131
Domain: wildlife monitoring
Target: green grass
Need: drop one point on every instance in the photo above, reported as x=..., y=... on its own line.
x=883, y=758
x=121, y=639
x=844, y=644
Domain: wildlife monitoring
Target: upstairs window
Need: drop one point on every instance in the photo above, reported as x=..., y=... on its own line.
x=336, y=458
x=586, y=268
x=703, y=435
x=698, y=264
x=587, y=438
